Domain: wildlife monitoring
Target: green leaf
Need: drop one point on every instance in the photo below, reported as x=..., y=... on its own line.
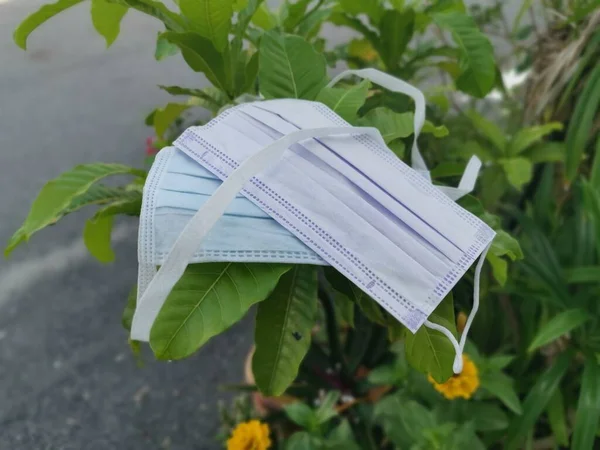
x=200, y=55
x=207, y=300
x=283, y=329
x=289, y=67
x=499, y=268
x=546, y=152
x=518, y=170
x=127, y=317
x=404, y=421
x=489, y=130
x=589, y=274
x=372, y=9
x=345, y=102
x=581, y=122
x=96, y=237
x=264, y=18
x=588, y=407
x=429, y=351
x=210, y=18
x=301, y=414
x=97, y=230
x=537, y=400
x=164, y=117
x=556, y=327
x=477, y=66
x=67, y=193
x=501, y=386
x=301, y=440
x=344, y=309
x=156, y=9
x=106, y=18
x=529, y=136
x=396, y=30
x=326, y=410
x=557, y=419
x=488, y=417
x=394, y=125
x=164, y=48
x=43, y=14
x=505, y=244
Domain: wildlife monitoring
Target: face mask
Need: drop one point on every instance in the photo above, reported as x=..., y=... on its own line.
x=175, y=190
x=345, y=195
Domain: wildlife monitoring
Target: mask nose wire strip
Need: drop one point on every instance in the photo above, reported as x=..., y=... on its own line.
x=459, y=347
x=396, y=85
x=202, y=222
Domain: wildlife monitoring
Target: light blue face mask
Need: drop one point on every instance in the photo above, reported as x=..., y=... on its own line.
x=320, y=190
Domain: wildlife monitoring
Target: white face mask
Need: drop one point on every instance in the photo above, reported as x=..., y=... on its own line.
x=341, y=192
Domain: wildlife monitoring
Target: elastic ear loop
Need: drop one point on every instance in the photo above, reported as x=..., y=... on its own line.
x=205, y=218
x=397, y=85
x=460, y=346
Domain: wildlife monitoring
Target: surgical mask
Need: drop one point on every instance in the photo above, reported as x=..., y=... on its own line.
x=343, y=194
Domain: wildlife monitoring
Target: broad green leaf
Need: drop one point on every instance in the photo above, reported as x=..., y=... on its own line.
x=301, y=414
x=501, y=386
x=289, y=67
x=43, y=14
x=283, y=329
x=372, y=8
x=158, y=10
x=264, y=18
x=588, y=274
x=557, y=419
x=403, y=420
x=210, y=18
x=518, y=170
x=207, y=300
x=345, y=102
x=556, y=327
x=342, y=438
x=66, y=194
x=477, y=66
x=499, y=268
x=529, y=136
x=588, y=407
x=293, y=13
x=164, y=48
x=536, y=401
x=581, y=123
x=201, y=56
x=505, y=244
x=489, y=130
x=396, y=30
x=551, y=151
x=394, y=125
x=301, y=440
x=326, y=410
x=96, y=236
x=488, y=417
x=429, y=351
x=106, y=18
x=498, y=362
x=344, y=309
x=164, y=117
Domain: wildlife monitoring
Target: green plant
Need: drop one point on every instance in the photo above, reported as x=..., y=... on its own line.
x=361, y=380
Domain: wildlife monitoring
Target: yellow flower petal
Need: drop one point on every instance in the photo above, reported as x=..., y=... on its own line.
x=462, y=385
x=251, y=435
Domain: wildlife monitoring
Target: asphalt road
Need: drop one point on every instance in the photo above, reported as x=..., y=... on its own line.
x=67, y=378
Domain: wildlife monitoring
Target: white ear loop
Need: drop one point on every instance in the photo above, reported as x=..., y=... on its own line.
x=202, y=222
x=460, y=346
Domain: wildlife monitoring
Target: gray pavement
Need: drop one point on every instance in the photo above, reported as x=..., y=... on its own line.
x=67, y=378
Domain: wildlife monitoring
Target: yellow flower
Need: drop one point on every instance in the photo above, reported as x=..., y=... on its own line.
x=462, y=385
x=251, y=435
